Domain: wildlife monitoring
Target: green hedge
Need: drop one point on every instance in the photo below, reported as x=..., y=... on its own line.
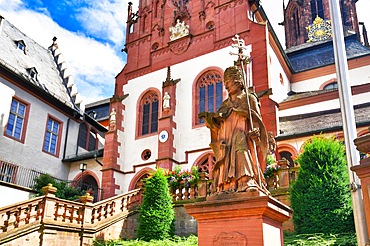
x=320, y=197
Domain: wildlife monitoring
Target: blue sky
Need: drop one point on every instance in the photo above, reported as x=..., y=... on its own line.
x=91, y=34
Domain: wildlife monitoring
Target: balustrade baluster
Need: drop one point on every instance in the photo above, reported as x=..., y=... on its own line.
x=28, y=214
x=186, y=193
x=71, y=212
x=112, y=208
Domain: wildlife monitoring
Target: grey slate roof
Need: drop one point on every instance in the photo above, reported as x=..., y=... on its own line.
x=100, y=108
x=14, y=59
x=323, y=121
x=300, y=95
x=313, y=55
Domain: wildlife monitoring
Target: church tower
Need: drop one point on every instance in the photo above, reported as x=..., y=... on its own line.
x=177, y=51
x=299, y=15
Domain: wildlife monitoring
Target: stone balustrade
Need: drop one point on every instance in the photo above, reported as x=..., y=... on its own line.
x=190, y=191
x=49, y=211
x=20, y=214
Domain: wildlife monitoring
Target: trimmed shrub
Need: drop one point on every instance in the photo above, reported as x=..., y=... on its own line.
x=156, y=212
x=320, y=197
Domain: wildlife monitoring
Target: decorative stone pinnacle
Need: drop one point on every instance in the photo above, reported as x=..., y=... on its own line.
x=49, y=190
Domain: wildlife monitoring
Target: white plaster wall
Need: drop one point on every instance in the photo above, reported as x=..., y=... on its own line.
x=11, y=195
x=29, y=154
x=132, y=148
x=92, y=165
x=6, y=94
x=279, y=90
x=357, y=76
x=186, y=137
x=321, y=106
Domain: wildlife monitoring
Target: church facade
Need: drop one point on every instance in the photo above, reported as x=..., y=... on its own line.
x=177, y=52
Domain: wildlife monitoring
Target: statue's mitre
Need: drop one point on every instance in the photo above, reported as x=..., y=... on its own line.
x=233, y=73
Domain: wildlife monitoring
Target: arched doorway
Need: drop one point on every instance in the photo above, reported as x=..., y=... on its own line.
x=88, y=183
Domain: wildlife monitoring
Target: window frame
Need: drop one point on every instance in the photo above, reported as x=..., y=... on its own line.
x=154, y=93
x=89, y=131
x=59, y=136
x=92, y=132
x=196, y=96
x=8, y=177
x=21, y=45
x=25, y=120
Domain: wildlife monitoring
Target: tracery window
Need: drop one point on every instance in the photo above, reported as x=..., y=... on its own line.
x=149, y=106
x=206, y=164
x=209, y=93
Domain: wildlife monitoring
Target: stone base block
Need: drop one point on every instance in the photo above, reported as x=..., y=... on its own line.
x=252, y=219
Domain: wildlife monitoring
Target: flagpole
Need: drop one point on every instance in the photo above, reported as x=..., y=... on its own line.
x=348, y=119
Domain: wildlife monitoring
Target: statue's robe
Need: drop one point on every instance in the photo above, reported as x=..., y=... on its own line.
x=231, y=143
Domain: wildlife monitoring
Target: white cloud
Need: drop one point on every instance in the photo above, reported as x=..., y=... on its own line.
x=10, y=4
x=105, y=19
x=93, y=65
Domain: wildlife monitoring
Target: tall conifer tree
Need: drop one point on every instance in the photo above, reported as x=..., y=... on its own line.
x=156, y=212
x=320, y=197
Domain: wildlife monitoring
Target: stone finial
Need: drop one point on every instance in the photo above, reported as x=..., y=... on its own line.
x=49, y=190
x=87, y=198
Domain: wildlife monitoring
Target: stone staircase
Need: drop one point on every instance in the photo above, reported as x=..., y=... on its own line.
x=48, y=220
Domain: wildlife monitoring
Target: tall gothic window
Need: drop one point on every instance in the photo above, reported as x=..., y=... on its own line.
x=295, y=23
x=209, y=93
x=317, y=9
x=149, y=113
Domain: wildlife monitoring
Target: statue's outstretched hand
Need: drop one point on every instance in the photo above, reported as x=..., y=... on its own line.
x=255, y=134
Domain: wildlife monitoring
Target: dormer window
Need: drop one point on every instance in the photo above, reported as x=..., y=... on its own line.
x=21, y=45
x=32, y=72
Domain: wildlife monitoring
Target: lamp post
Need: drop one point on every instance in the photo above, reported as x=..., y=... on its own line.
x=83, y=167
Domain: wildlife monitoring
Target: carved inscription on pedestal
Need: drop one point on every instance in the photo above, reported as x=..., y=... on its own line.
x=230, y=239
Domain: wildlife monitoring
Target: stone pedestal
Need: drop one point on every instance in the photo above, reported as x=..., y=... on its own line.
x=240, y=219
x=363, y=172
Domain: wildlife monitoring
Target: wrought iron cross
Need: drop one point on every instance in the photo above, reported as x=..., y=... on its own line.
x=242, y=58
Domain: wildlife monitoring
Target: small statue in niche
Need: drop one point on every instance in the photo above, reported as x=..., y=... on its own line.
x=166, y=101
x=112, y=119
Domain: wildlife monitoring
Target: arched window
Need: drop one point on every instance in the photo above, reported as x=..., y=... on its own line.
x=295, y=22
x=205, y=164
x=330, y=86
x=208, y=93
x=149, y=113
x=288, y=156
